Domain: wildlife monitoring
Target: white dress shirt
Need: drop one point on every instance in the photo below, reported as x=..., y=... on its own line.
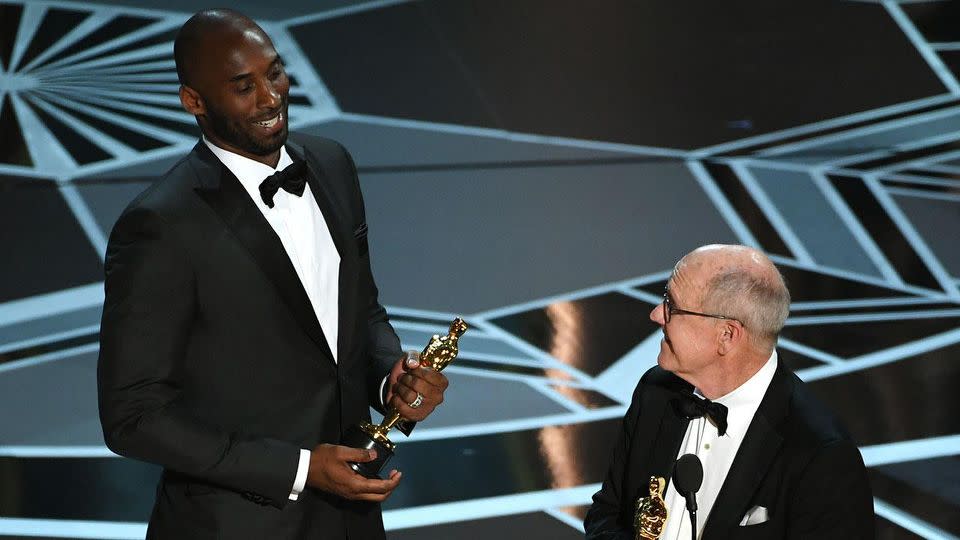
x=303, y=232
x=715, y=452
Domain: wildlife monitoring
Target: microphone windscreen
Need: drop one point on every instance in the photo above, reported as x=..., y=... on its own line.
x=687, y=474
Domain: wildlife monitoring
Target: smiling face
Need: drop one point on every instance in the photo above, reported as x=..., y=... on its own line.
x=723, y=298
x=690, y=343
x=239, y=93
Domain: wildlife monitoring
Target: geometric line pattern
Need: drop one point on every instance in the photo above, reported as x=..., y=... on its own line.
x=86, y=89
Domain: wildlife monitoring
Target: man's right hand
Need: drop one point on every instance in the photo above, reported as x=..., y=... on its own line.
x=329, y=471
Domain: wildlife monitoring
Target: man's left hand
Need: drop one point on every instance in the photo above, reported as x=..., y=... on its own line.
x=410, y=383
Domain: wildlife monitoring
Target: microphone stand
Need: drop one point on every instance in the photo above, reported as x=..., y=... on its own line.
x=692, y=508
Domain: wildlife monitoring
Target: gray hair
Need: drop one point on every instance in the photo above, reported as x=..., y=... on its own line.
x=760, y=302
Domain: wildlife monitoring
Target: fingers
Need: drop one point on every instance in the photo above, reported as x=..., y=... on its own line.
x=408, y=362
x=432, y=388
x=411, y=361
x=355, y=455
x=424, y=380
x=406, y=411
x=377, y=490
x=334, y=452
x=361, y=488
x=330, y=471
x=405, y=396
x=428, y=375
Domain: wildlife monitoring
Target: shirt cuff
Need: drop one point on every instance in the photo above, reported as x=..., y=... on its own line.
x=300, y=482
x=383, y=386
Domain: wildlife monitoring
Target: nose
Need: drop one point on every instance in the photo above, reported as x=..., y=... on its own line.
x=269, y=96
x=656, y=314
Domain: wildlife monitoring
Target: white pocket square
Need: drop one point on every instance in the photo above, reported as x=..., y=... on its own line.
x=755, y=516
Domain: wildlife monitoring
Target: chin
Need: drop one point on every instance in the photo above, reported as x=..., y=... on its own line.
x=267, y=146
x=264, y=150
x=666, y=363
x=279, y=138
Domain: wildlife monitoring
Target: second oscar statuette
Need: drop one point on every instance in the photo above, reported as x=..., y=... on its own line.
x=439, y=352
x=651, y=515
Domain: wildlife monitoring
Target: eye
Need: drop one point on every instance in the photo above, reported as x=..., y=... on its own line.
x=245, y=89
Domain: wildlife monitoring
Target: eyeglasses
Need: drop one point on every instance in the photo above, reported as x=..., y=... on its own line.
x=669, y=310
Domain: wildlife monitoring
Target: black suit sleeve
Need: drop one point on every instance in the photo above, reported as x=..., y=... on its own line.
x=384, y=345
x=148, y=314
x=603, y=519
x=833, y=499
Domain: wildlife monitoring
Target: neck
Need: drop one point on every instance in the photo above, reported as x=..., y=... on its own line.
x=271, y=160
x=727, y=374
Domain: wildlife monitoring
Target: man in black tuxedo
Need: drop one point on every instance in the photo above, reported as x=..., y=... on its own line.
x=241, y=331
x=777, y=463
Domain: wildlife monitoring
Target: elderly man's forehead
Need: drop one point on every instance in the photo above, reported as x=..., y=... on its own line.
x=688, y=276
x=720, y=256
x=703, y=263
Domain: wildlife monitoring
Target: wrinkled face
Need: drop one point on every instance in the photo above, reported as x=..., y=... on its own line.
x=245, y=90
x=689, y=342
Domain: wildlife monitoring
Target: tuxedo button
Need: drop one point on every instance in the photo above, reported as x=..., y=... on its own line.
x=253, y=497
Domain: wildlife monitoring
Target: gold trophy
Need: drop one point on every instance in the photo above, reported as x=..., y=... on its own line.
x=651, y=515
x=439, y=352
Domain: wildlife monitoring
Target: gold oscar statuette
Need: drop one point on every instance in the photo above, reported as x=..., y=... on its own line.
x=439, y=352
x=651, y=515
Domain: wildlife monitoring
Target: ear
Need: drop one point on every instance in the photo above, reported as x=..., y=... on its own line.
x=731, y=335
x=191, y=101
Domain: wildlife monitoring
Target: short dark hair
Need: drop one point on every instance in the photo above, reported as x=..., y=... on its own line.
x=198, y=28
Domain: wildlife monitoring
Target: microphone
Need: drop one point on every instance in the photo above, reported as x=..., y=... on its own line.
x=687, y=478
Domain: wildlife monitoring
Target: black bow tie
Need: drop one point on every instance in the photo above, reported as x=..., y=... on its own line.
x=292, y=180
x=691, y=406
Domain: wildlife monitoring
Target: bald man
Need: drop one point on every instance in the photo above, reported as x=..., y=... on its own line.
x=241, y=332
x=777, y=463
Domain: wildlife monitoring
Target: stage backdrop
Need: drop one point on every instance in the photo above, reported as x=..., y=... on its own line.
x=562, y=155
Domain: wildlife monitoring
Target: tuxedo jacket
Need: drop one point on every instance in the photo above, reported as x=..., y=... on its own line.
x=796, y=461
x=212, y=361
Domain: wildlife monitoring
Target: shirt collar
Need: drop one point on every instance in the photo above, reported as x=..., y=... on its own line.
x=742, y=403
x=248, y=171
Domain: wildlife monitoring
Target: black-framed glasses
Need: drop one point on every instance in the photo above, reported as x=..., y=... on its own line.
x=670, y=309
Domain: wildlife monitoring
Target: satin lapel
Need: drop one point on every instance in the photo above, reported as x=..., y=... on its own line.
x=658, y=434
x=757, y=451
x=223, y=192
x=668, y=440
x=337, y=219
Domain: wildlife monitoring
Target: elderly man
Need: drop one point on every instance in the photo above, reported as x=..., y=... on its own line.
x=241, y=330
x=777, y=463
